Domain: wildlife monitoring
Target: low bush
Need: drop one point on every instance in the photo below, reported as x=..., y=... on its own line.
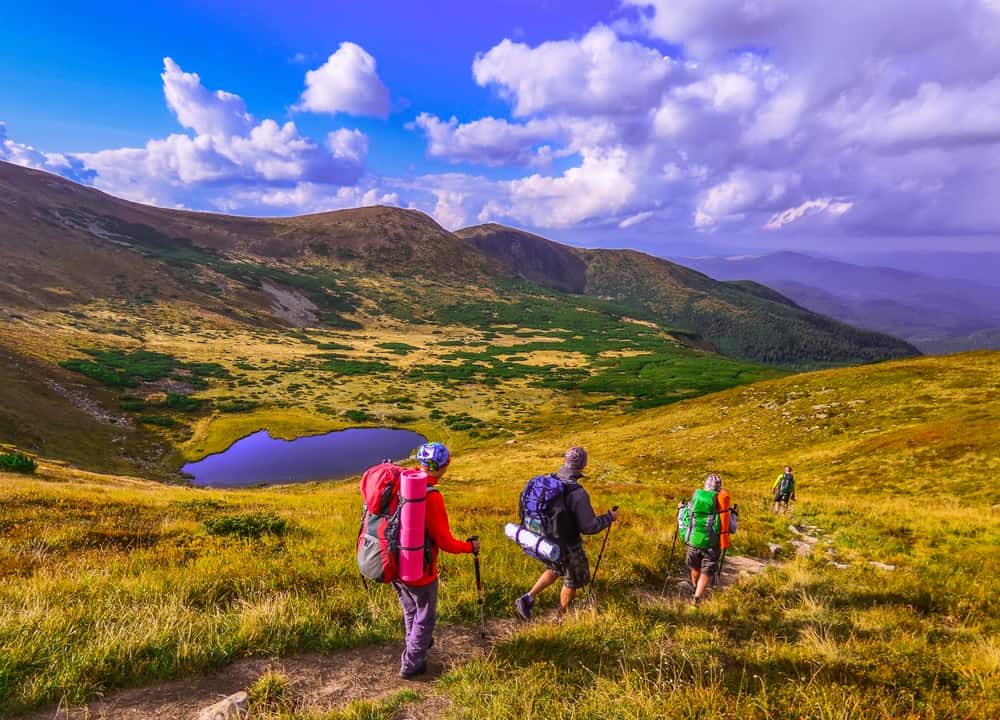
x=17, y=462
x=248, y=525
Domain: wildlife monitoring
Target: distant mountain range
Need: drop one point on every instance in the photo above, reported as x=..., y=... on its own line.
x=64, y=243
x=933, y=313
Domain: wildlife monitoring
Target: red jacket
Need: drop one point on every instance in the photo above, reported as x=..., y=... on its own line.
x=439, y=531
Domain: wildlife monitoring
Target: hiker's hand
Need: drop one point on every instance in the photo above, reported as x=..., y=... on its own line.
x=475, y=545
x=680, y=504
x=613, y=512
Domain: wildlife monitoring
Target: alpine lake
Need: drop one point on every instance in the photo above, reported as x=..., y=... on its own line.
x=259, y=459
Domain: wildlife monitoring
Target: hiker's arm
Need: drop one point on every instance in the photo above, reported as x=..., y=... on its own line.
x=439, y=529
x=589, y=522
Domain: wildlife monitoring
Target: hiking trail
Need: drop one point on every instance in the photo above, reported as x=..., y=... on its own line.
x=323, y=682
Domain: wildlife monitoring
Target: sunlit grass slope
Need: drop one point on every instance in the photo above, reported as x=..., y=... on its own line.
x=110, y=582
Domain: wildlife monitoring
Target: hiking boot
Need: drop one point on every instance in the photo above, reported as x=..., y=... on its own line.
x=695, y=600
x=419, y=670
x=523, y=606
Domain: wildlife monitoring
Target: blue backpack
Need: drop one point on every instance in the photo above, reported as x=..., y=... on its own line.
x=543, y=506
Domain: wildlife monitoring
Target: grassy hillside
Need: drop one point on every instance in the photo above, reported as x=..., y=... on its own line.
x=743, y=320
x=136, y=337
x=108, y=581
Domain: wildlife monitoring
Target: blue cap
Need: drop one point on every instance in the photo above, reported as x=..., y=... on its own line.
x=433, y=455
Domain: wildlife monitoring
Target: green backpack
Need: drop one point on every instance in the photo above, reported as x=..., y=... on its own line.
x=698, y=521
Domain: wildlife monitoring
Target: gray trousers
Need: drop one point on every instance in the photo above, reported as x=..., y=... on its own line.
x=419, y=616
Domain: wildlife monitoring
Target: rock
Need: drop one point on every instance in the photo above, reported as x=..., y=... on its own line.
x=881, y=566
x=775, y=549
x=233, y=707
x=840, y=565
x=801, y=548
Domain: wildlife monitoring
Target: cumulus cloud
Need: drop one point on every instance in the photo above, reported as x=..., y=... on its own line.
x=346, y=83
x=230, y=161
x=488, y=141
x=59, y=163
x=766, y=114
x=599, y=73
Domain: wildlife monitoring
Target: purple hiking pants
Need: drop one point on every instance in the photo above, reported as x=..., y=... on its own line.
x=419, y=616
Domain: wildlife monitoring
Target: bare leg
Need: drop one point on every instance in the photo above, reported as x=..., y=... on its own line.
x=566, y=596
x=544, y=580
x=699, y=588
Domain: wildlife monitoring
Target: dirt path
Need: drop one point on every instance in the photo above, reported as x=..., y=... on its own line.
x=328, y=681
x=319, y=682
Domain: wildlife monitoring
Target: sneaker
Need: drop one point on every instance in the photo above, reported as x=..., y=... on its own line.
x=695, y=600
x=523, y=606
x=419, y=670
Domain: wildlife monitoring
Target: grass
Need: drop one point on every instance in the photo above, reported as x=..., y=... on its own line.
x=109, y=582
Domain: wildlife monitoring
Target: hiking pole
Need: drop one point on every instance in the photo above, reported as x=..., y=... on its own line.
x=722, y=561
x=479, y=589
x=670, y=563
x=597, y=565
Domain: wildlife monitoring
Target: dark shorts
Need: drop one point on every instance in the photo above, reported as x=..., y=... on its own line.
x=573, y=566
x=705, y=560
x=782, y=497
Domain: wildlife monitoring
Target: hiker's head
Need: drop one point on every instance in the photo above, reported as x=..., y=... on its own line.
x=576, y=459
x=788, y=468
x=713, y=483
x=433, y=457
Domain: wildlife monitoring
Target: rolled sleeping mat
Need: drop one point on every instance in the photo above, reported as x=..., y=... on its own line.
x=413, y=496
x=533, y=544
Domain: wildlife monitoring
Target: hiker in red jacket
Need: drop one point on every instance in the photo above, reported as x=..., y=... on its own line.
x=418, y=598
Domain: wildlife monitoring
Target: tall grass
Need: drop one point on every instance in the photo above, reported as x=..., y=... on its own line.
x=108, y=582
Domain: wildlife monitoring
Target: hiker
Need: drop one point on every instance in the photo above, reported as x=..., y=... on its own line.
x=575, y=517
x=418, y=598
x=704, y=525
x=784, y=489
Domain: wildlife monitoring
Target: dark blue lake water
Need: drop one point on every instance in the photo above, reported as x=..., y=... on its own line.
x=260, y=458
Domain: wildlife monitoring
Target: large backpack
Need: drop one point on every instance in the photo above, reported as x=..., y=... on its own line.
x=543, y=507
x=378, y=539
x=699, y=521
x=787, y=484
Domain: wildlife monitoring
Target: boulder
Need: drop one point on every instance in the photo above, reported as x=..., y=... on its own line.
x=233, y=707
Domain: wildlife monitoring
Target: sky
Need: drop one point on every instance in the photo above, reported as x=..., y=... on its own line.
x=673, y=126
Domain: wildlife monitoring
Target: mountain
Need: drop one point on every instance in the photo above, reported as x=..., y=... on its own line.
x=982, y=268
x=930, y=312
x=137, y=338
x=744, y=320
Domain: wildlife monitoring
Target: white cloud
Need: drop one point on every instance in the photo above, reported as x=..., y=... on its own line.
x=216, y=113
x=229, y=152
x=742, y=192
x=601, y=187
x=809, y=207
x=635, y=219
x=487, y=141
x=347, y=82
x=599, y=73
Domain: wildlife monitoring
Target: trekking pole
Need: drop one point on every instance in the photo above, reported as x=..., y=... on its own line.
x=479, y=590
x=670, y=563
x=597, y=565
x=722, y=561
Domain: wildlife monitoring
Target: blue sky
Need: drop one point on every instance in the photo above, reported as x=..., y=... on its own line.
x=675, y=126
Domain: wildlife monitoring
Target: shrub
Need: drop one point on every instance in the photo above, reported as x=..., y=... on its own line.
x=158, y=420
x=17, y=462
x=248, y=525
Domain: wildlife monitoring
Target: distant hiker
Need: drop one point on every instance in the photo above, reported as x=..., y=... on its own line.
x=704, y=525
x=558, y=508
x=382, y=554
x=783, y=489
